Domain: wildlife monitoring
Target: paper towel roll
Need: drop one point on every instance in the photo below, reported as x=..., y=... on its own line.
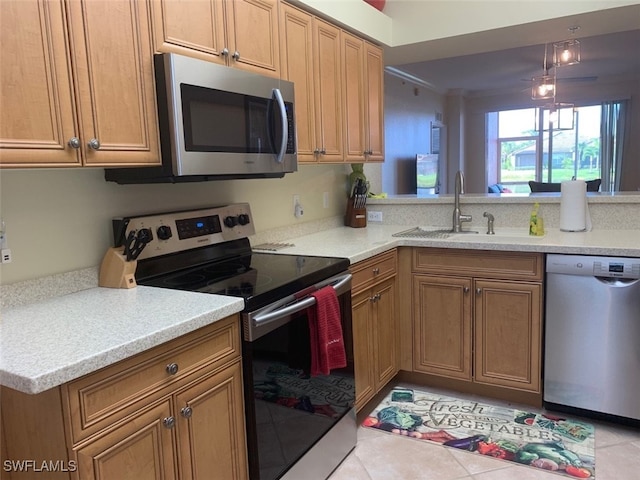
x=574, y=214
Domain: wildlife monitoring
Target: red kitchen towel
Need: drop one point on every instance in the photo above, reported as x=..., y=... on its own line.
x=327, y=343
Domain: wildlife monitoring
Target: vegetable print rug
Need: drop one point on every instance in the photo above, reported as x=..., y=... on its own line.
x=545, y=441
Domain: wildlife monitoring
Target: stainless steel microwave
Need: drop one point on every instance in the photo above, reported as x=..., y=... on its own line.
x=216, y=123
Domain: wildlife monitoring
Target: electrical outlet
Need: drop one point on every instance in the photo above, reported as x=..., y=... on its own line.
x=374, y=216
x=6, y=255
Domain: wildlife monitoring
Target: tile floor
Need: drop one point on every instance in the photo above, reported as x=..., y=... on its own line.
x=385, y=456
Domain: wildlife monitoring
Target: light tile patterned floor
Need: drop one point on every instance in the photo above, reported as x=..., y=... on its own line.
x=384, y=456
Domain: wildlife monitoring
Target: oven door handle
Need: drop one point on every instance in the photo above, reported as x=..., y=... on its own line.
x=274, y=312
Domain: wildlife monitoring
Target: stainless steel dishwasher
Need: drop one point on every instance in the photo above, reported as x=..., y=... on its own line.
x=592, y=337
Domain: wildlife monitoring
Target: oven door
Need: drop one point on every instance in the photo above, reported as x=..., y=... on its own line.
x=296, y=421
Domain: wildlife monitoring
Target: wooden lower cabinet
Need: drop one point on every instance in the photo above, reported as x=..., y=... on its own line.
x=139, y=449
x=210, y=427
x=189, y=425
x=374, y=328
x=442, y=341
x=482, y=325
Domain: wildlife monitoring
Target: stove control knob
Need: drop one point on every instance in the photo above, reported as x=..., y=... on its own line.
x=243, y=219
x=231, y=221
x=164, y=232
x=145, y=235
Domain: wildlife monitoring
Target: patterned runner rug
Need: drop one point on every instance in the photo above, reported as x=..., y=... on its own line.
x=545, y=441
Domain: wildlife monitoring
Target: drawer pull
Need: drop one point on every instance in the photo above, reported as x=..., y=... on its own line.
x=478, y=291
x=465, y=289
x=376, y=271
x=186, y=412
x=172, y=368
x=169, y=422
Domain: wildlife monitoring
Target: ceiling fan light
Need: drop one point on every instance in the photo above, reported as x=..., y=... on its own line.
x=543, y=87
x=566, y=53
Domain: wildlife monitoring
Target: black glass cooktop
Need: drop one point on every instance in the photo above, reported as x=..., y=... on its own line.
x=259, y=278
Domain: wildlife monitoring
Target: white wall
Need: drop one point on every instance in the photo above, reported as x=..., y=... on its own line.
x=59, y=220
x=409, y=111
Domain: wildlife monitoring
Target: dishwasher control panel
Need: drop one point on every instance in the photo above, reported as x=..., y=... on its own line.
x=594, y=266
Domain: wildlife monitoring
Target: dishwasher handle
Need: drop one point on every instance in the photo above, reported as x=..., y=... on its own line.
x=618, y=282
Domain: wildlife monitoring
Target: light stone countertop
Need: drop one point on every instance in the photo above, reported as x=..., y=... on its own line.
x=50, y=342
x=358, y=244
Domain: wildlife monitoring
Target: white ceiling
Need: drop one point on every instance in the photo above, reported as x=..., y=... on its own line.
x=479, y=62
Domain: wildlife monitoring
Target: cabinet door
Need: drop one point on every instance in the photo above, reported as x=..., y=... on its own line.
x=139, y=449
x=111, y=48
x=37, y=117
x=507, y=334
x=211, y=429
x=442, y=326
x=328, y=91
x=363, y=338
x=374, y=103
x=385, y=331
x=195, y=29
x=354, y=94
x=296, y=32
x=253, y=35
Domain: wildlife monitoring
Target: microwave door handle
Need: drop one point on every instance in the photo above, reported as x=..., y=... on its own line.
x=283, y=118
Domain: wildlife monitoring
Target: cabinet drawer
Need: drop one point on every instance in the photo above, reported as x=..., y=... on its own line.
x=373, y=270
x=485, y=263
x=98, y=399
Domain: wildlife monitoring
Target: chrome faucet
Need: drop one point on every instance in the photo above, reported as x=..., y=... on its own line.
x=458, y=217
x=490, y=221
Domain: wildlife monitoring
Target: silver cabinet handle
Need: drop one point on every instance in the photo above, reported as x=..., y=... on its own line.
x=186, y=412
x=169, y=422
x=323, y=151
x=74, y=142
x=316, y=151
x=376, y=271
x=236, y=55
x=172, y=368
x=465, y=289
x=94, y=144
x=224, y=52
x=478, y=291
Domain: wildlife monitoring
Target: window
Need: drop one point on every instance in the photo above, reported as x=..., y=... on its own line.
x=532, y=144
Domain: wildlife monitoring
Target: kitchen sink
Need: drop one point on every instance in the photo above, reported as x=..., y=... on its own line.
x=503, y=234
x=517, y=235
x=419, y=232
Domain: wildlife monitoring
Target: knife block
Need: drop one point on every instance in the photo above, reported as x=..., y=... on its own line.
x=116, y=272
x=355, y=217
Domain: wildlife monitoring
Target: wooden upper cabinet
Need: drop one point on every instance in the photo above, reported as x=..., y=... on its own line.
x=79, y=87
x=363, y=93
x=328, y=91
x=374, y=103
x=195, y=29
x=237, y=33
x=253, y=35
x=115, y=84
x=37, y=107
x=338, y=80
x=296, y=53
x=354, y=93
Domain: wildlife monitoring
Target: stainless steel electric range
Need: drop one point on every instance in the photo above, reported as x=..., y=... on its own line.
x=298, y=425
